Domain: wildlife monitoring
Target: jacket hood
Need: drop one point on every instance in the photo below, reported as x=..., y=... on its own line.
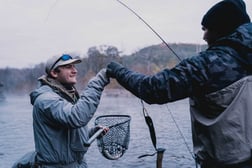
x=242, y=35
x=241, y=41
x=34, y=94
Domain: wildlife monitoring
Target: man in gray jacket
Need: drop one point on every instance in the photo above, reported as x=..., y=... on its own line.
x=61, y=115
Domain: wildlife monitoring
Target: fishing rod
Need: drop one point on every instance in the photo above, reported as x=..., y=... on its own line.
x=147, y=118
x=50, y=10
x=137, y=15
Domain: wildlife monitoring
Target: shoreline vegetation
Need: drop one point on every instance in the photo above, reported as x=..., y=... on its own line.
x=2, y=96
x=148, y=60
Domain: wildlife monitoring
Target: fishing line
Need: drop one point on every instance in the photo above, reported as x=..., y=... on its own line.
x=151, y=128
x=50, y=10
x=180, y=132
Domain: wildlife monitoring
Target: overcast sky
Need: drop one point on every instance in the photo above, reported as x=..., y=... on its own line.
x=31, y=31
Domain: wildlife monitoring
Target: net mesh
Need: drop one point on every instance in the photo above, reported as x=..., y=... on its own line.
x=114, y=144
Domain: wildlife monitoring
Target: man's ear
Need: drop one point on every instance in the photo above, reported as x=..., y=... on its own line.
x=54, y=74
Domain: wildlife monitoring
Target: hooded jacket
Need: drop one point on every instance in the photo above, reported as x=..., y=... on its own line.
x=60, y=120
x=228, y=60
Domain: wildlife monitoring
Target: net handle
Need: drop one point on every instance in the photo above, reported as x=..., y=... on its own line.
x=99, y=132
x=93, y=137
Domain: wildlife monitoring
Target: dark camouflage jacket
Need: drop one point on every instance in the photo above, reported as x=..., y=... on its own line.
x=223, y=63
x=212, y=71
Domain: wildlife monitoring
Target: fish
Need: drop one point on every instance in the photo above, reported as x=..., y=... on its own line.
x=113, y=151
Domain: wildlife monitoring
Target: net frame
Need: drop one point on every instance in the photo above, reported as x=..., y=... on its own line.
x=115, y=142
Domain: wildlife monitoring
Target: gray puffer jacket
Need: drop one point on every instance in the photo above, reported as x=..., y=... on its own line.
x=60, y=120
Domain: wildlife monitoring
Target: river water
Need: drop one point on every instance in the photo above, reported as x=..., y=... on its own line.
x=16, y=134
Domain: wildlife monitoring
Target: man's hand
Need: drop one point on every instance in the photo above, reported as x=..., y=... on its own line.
x=105, y=130
x=112, y=67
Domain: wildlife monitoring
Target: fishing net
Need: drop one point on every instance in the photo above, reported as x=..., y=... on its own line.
x=114, y=144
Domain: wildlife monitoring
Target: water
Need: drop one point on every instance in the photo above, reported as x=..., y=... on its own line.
x=16, y=134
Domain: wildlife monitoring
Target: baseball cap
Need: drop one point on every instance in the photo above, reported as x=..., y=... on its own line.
x=59, y=60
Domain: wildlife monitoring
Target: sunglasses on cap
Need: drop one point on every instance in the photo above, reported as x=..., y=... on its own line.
x=64, y=57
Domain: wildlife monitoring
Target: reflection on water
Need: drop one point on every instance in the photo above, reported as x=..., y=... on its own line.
x=16, y=136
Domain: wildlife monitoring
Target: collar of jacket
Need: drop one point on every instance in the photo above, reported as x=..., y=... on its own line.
x=71, y=95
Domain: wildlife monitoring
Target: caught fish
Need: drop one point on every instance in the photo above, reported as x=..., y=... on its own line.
x=113, y=152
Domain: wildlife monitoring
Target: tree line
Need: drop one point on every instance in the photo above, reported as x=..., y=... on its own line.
x=147, y=60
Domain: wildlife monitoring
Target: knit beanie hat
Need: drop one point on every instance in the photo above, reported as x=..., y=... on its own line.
x=225, y=16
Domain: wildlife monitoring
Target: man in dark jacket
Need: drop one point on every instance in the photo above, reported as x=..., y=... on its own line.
x=217, y=82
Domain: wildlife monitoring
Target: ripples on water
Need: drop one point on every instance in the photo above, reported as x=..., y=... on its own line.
x=16, y=136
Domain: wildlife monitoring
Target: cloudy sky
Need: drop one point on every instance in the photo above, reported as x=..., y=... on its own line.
x=31, y=31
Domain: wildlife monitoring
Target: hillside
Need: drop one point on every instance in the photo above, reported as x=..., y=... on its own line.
x=147, y=60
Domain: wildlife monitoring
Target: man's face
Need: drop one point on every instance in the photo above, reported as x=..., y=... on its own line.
x=67, y=74
x=209, y=36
